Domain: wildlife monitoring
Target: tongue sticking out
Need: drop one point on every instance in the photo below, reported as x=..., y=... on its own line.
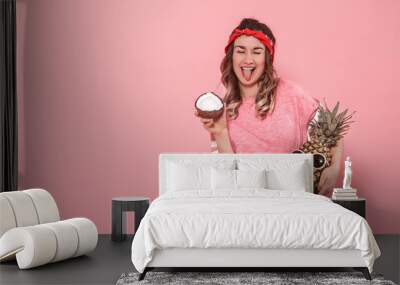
x=247, y=73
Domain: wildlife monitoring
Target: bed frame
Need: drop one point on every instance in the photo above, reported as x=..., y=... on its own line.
x=247, y=258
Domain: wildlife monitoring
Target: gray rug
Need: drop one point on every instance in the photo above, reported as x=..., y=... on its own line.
x=230, y=278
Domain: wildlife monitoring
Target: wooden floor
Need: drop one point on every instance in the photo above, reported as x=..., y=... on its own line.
x=111, y=259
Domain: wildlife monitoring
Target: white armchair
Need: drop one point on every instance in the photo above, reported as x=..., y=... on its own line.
x=31, y=230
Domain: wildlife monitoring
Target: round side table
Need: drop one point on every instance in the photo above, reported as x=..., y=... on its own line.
x=121, y=205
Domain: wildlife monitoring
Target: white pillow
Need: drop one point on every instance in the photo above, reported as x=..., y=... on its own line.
x=189, y=174
x=251, y=178
x=220, y=163
x=184, y=177
x=223, y=179
x=281, y=174
x=295, y=179
x=237, y=179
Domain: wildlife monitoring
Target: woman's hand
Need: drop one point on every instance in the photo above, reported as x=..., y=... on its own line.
x=328, y=179
x=220, y=132
x=214, y=127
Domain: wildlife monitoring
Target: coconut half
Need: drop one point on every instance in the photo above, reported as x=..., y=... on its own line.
x=209, y=106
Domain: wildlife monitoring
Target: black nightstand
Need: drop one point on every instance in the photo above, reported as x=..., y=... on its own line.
x=121, y=205
x=357, y=206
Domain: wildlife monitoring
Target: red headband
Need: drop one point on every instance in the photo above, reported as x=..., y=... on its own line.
x=257, y=34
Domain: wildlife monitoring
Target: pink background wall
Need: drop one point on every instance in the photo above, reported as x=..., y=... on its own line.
x=105, y=86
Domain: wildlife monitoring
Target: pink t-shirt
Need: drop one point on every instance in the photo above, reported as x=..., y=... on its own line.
x=283, y=131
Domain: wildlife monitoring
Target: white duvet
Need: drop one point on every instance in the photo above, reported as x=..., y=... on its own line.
x=251, y=218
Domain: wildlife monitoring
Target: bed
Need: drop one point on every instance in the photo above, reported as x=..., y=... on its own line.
x=247, y=210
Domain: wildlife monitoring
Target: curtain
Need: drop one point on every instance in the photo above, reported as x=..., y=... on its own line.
x=8, y=98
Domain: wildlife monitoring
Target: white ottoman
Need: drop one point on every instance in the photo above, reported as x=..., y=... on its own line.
x=33, y=243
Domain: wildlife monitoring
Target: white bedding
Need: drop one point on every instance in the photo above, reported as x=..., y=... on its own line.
x=250, y=218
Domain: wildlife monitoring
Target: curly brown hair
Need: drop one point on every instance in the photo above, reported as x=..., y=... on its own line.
x=268, y=82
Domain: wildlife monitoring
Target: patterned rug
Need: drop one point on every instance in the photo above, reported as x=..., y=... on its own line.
x=243, y=278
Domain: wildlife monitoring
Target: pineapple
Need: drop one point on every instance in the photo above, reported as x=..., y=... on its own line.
x=325, y=132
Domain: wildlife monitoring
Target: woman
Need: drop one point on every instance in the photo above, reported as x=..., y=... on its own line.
x=263, y=113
